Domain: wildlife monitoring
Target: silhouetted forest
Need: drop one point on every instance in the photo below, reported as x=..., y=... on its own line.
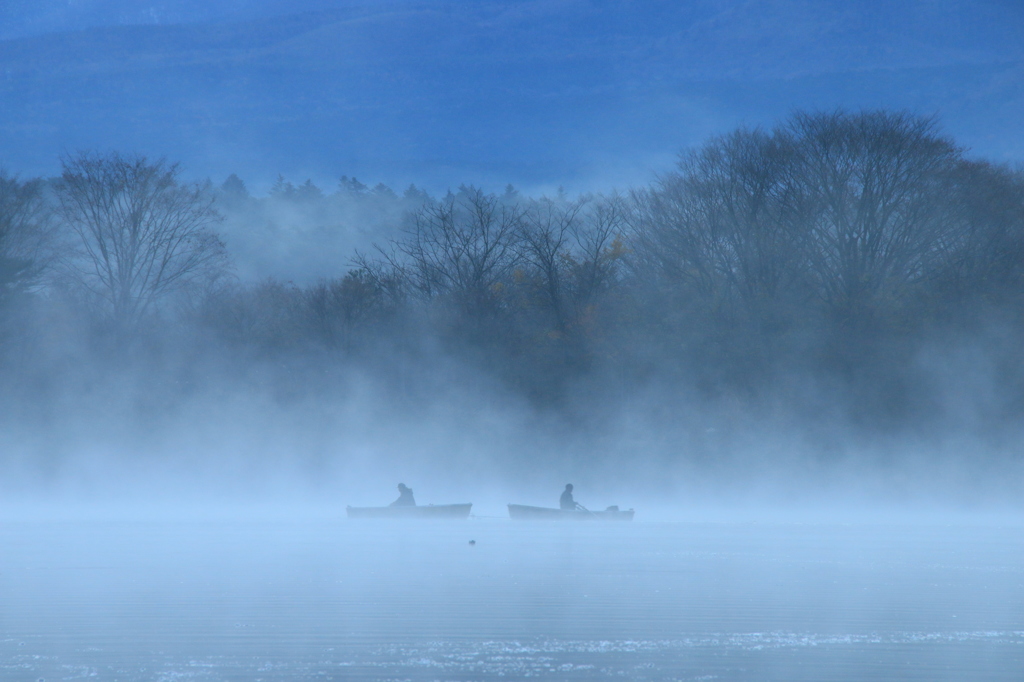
x=854, y=268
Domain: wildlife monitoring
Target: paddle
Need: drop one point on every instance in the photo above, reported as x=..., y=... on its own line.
x=582, y=508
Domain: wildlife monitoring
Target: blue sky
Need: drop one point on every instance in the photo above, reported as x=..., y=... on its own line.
x=586, y=94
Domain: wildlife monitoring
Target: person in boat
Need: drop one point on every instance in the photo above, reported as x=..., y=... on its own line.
x=405, y=498
x=566, y=502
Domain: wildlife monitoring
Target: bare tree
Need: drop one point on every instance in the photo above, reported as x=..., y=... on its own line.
x=461, y=247
x=337, y=309
x=983, y=252
x=875, y=184
x=26, y=234
x=545, y=234
x=572, y=247
x=722, y=226
x=141, y=234
x=850, y=208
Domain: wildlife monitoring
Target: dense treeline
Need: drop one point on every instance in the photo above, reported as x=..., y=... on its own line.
x=839, y=249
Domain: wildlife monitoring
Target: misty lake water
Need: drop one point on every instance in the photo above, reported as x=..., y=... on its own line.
x=330, y=599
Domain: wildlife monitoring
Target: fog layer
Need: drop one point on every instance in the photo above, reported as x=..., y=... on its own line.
x=831, y=307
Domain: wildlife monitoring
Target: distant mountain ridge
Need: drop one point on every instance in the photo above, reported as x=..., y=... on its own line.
x=537, y=93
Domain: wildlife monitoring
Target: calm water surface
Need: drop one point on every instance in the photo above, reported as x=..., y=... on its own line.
x=339, y=600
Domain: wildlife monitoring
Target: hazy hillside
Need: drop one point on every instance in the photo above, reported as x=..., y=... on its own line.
x=534, y=93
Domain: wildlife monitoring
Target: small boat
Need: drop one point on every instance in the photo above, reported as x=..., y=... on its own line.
x=522, y=511
x=430, y=511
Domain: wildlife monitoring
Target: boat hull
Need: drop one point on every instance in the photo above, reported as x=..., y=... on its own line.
x=526, y=512
x=431, y=511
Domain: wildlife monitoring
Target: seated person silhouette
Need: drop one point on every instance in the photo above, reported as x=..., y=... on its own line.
x=566, y=502
x=405, y=498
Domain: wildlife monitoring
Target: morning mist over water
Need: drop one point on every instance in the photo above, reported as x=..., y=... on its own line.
x=751, y=279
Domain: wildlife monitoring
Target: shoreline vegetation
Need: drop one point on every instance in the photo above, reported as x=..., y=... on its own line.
x=848, y=276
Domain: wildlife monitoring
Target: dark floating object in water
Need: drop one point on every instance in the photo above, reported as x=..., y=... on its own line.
x=522, y=511
x=431, y=511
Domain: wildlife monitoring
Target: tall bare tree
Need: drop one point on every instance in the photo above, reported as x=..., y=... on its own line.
x=141, y=233
x=462, y=247
x=876, y=184
x=572, y=248
x=26, y=234
x=850, y=208
x=546, y=238
x=723, y=226
x=984, y=250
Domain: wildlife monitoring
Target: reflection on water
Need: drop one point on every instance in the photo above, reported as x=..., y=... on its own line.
x=416, y=601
